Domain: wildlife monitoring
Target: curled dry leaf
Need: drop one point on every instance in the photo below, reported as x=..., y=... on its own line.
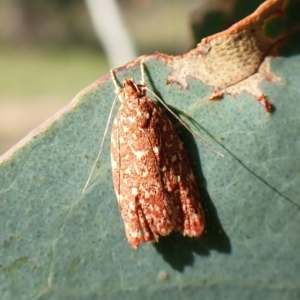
x=238, y=59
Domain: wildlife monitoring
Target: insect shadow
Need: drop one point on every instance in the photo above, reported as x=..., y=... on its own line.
x=176, y=249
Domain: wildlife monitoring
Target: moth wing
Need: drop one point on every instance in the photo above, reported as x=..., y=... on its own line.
x=145, y=208
x=177, y=176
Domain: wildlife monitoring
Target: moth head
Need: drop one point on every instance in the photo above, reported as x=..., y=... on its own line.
x=133, y=89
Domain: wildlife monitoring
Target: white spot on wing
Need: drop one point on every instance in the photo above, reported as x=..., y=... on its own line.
x=127, y=171
x=113, y=164
x=156, y=150
x=145, y=173
x=134, y=191
x=131, y=119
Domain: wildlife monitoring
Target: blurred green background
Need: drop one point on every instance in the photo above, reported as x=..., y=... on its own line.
x=49, y=50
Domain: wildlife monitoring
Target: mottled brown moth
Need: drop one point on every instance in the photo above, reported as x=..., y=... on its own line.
x=153, y=179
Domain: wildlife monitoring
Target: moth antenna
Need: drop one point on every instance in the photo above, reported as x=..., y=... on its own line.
x=184, y=124
x=117, y=88
x=143, y=82
x=118, y=91
x=173, y=114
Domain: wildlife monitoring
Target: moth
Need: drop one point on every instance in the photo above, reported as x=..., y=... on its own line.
x=153, y=179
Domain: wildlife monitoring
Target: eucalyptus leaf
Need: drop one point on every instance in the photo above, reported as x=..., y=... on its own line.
x=57, y=243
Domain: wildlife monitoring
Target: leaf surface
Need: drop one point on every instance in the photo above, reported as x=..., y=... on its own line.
x=58, y=243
